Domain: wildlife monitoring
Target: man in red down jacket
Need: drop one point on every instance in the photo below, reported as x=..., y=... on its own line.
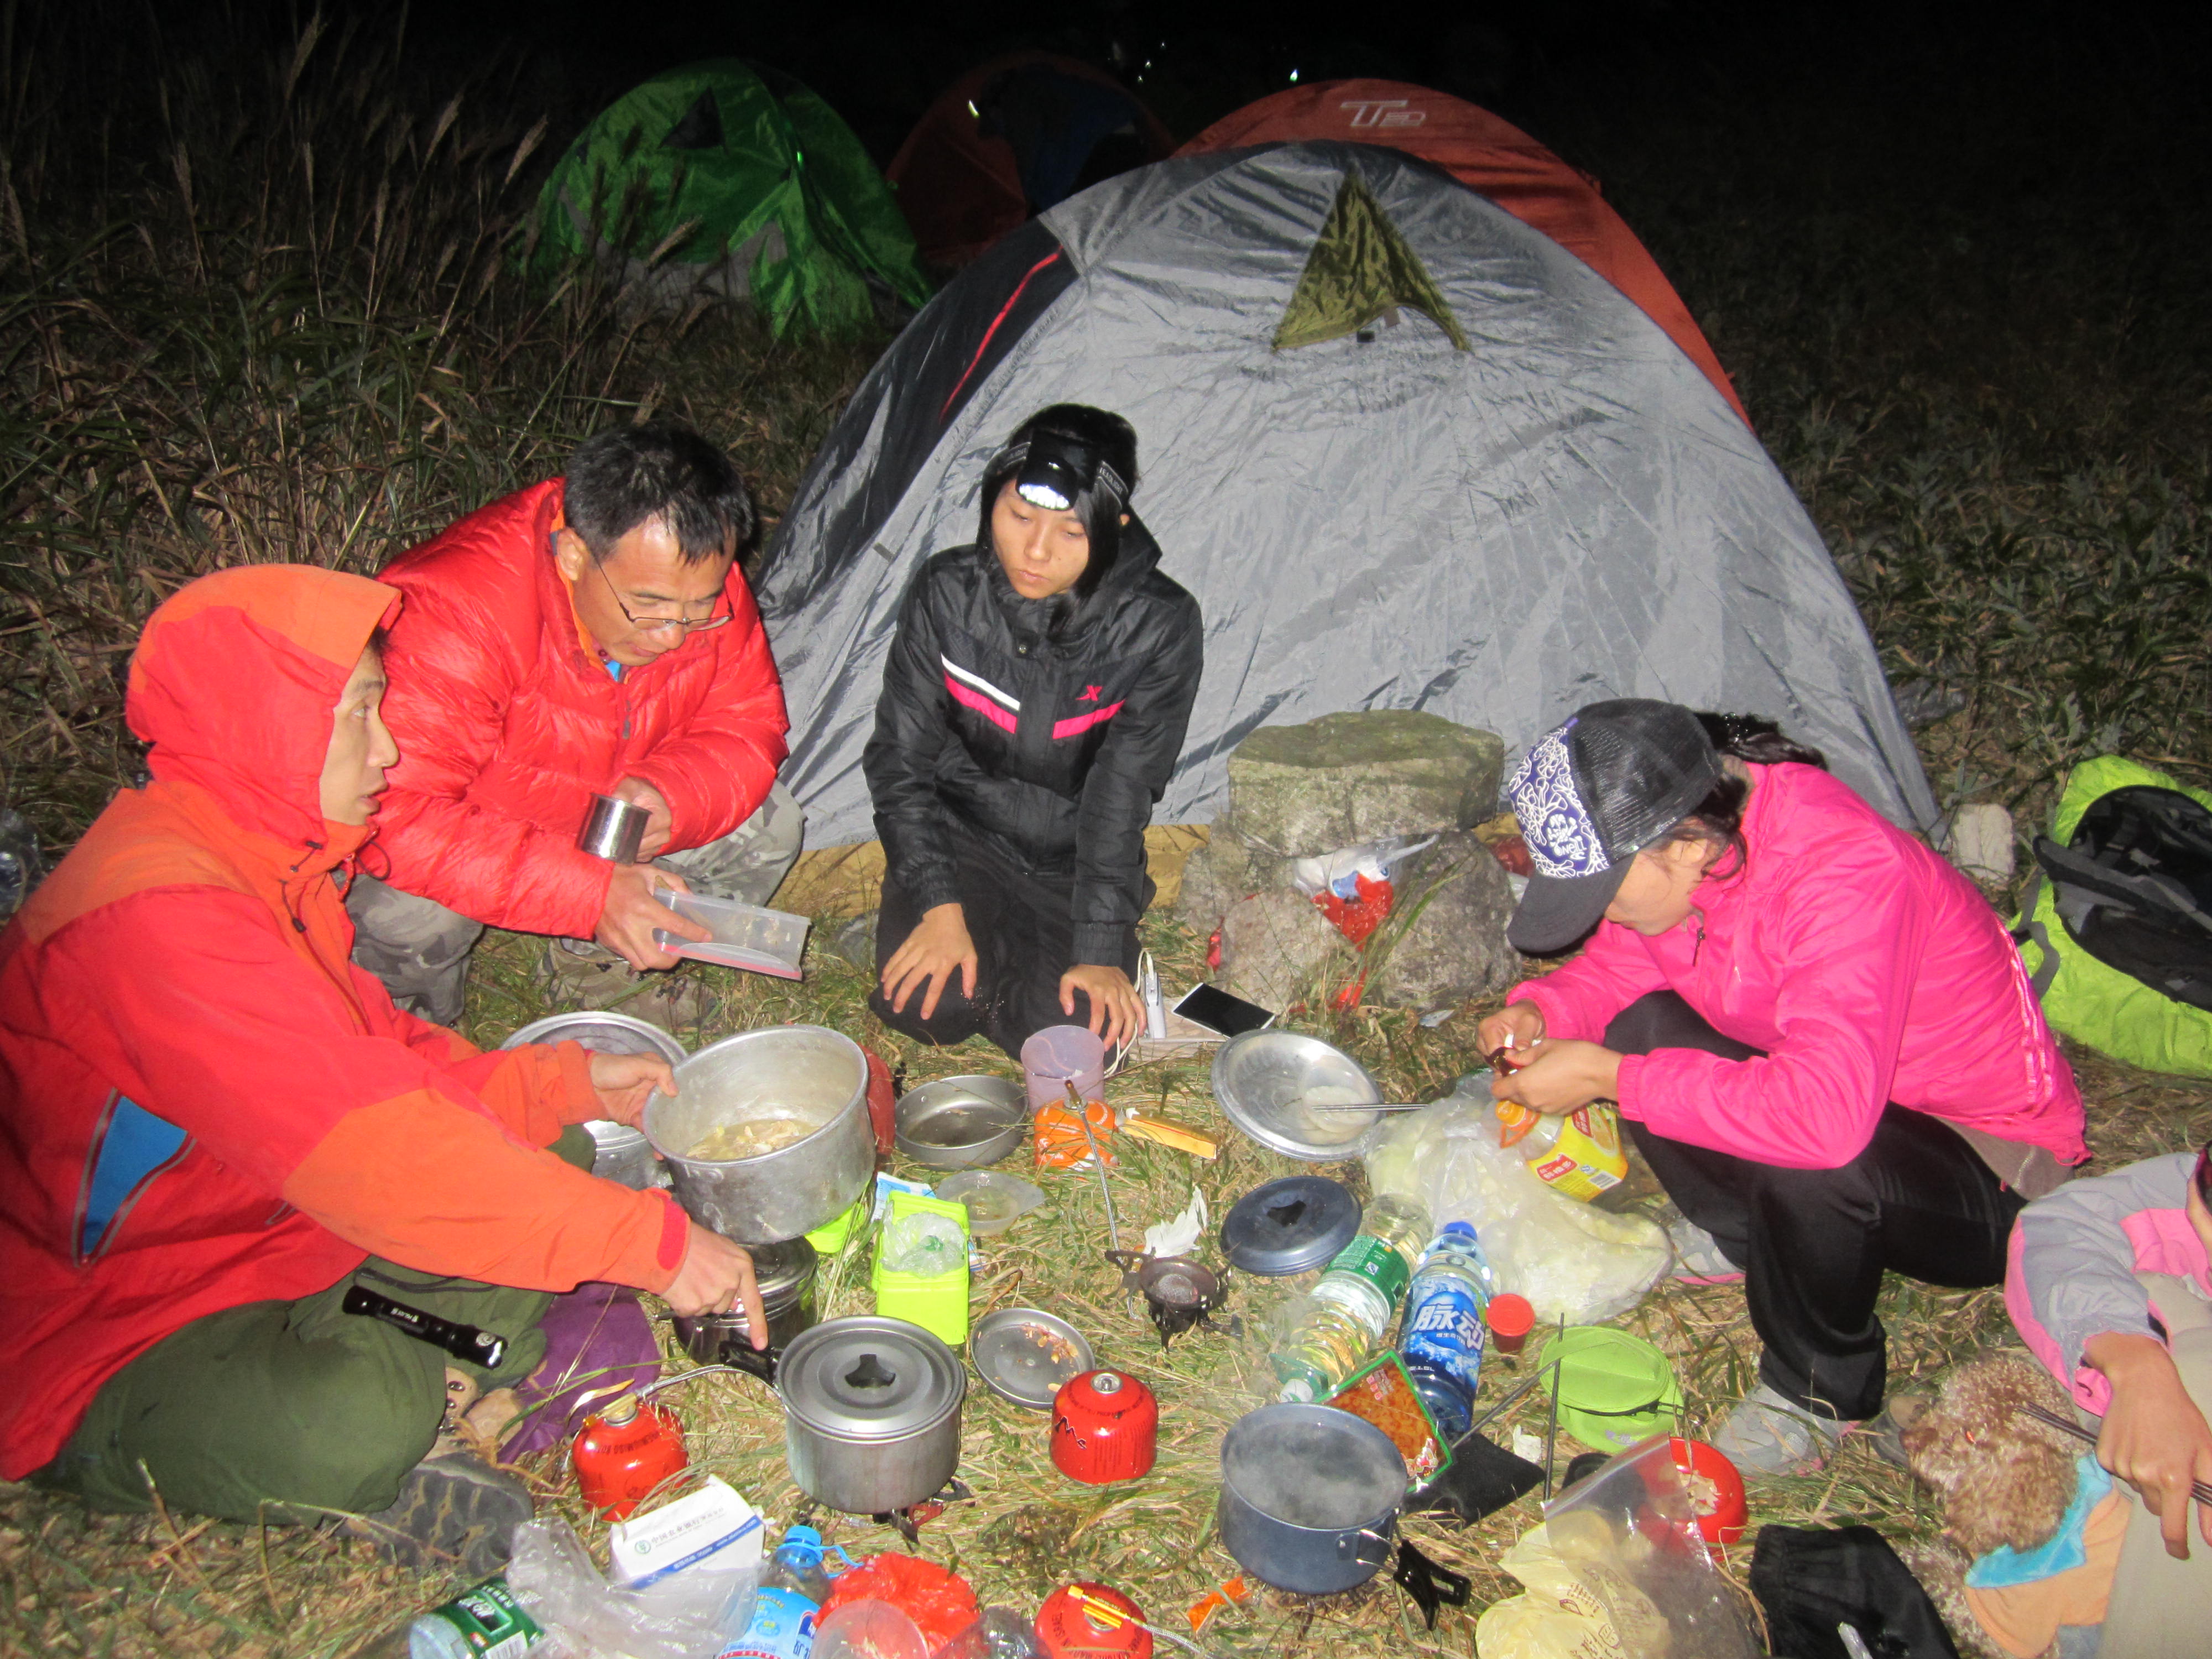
x=213, y=1125
x=589, y=635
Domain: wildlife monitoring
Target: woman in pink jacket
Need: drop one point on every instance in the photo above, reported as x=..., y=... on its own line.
x=1819, y=1033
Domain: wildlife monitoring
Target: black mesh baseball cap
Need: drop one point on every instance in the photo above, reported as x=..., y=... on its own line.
x=1589, y=796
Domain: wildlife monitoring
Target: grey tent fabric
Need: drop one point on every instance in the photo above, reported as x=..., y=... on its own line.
x=1569, y=511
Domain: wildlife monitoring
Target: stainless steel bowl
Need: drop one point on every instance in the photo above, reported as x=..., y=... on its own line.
x=1262, y=1078
x=961, y=1122
x=619, y=1154
x=807, y=1072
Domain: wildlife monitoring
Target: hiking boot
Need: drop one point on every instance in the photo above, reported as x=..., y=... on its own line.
x=1699, y=1258
x=1766, y=1434
x=580, y=975
x=454, y=1513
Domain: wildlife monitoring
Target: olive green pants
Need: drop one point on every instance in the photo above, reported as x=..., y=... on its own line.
x=292, y=1411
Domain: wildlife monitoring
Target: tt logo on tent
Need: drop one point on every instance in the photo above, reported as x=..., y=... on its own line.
x=1382, y=112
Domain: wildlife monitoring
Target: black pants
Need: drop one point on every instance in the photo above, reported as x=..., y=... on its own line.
x=1814, y=1243
x=1024, y=926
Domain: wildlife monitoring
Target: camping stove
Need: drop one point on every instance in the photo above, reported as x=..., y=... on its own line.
x=1178, y=1292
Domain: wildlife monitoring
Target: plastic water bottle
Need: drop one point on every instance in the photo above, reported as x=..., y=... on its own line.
x=1441, y=1342
x=484, y=1621
x=1325, y=1334
x=790, y=1594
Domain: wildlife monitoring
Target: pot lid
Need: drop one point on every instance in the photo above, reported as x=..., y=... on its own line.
x=869, y=1378
x=1289, y=1225
x=1025, y=1354
x=783, y=1271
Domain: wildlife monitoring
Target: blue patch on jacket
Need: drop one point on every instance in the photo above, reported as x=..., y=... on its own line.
x=132, y=1147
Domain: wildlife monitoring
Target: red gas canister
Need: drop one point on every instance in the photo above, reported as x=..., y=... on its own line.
x=625, y=1450
x=1081, y=1621
x=1105, y=1427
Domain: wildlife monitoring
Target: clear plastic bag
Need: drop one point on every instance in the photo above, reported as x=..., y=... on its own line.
x=1571, y=1262
x=681, y=1616
x=920, y=1242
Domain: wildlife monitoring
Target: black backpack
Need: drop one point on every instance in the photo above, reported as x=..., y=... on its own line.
x=2134, y=888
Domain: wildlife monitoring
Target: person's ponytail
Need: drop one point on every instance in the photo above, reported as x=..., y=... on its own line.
x=1748, y=738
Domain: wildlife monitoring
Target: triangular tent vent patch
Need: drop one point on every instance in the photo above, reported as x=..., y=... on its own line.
x=701, y=127
x=1360, y=267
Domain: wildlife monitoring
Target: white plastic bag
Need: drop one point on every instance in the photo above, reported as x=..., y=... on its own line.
x=1571, y=1262
x=1339, y=872
x=681, y=1616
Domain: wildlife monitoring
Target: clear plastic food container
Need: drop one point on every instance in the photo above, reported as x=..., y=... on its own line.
x=744, y=935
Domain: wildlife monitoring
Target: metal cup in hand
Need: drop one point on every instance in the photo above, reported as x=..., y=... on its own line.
x=613, y=829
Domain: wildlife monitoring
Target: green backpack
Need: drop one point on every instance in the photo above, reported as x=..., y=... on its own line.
x=2116, y=927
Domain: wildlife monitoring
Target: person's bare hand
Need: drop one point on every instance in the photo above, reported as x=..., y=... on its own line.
x=1116, y=1011
x=2154, y=1438
x=659, y=819
x=714, y=1276
x=1563, y=1077
x=626, y=1082
x=632, y=913
x=1517, y=1025
x=937, y=948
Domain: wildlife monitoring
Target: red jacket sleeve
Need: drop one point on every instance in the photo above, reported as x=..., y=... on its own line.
x=1579, y=999
x=1812, y=1103
x=451, y=677
x=716, y=772
x=218, y=1026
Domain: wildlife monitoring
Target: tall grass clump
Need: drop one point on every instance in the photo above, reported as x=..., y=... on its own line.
x=259, y=301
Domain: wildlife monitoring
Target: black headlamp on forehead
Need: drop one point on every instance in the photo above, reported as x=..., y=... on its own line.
x=1052, y=472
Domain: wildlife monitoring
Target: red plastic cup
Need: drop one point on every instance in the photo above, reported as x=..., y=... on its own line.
x=1511, y=1318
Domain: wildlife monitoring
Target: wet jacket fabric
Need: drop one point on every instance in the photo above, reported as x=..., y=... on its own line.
x=203, y=1103
x=2075, y=1257
x=1052, y=750
x=1867, y=968
x=508, y=722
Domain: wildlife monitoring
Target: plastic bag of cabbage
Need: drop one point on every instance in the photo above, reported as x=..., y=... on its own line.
x=1571, y=1262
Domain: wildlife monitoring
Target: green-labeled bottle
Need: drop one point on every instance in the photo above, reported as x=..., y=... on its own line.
x=1326, y=1334
x=486, y=1622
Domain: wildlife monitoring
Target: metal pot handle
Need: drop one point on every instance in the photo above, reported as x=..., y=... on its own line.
x=1354, y=1545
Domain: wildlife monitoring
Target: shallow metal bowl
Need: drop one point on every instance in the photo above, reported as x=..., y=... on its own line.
x=1261, y=1078
x=618, y=1153
x=961, y=1122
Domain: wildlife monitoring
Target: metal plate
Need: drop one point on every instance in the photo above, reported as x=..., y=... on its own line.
x=1290, y=1226
x=1017, y=1366
x=1263, y=1079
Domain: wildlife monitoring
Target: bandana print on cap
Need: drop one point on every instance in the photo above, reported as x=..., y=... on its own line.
x=1563, y=840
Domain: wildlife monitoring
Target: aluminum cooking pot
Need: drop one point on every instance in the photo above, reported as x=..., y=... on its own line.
x=807, y=1072
x=619, y=1154
x=1309, y=1497
x=872, y=1414
x=785, y=1275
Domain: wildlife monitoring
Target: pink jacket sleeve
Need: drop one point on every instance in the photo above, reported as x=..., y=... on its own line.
x=1850, y=950
x=716, y=774
x=1579, y=1001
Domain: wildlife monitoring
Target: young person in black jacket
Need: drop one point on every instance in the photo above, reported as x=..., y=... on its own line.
x=1033, y=709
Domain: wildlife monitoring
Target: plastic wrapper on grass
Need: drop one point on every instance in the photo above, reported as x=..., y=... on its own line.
x=1573, y=1262
x=680, y=1616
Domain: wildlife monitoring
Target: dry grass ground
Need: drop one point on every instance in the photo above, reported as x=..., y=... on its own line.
x=255, y=302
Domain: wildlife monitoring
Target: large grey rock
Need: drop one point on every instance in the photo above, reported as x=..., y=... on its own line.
x=1221, y=873
x=1278, y=949
x=1297, y=791
x=1445, y=938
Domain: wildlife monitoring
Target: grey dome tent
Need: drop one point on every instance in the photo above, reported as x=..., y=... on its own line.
x=1487, y=485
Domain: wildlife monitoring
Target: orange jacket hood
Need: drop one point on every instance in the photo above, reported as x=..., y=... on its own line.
x=235, y=680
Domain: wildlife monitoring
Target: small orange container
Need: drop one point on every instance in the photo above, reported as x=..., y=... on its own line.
x=624, y=1452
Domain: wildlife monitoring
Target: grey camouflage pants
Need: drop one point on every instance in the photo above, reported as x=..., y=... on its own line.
x=420, y=949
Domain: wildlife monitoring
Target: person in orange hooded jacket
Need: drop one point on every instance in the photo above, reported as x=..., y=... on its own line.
x=211, y=1122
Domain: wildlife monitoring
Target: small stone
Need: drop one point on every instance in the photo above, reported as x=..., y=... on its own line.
x=1980, y=844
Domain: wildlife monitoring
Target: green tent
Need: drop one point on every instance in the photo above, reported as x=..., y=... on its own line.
x=725, y=180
